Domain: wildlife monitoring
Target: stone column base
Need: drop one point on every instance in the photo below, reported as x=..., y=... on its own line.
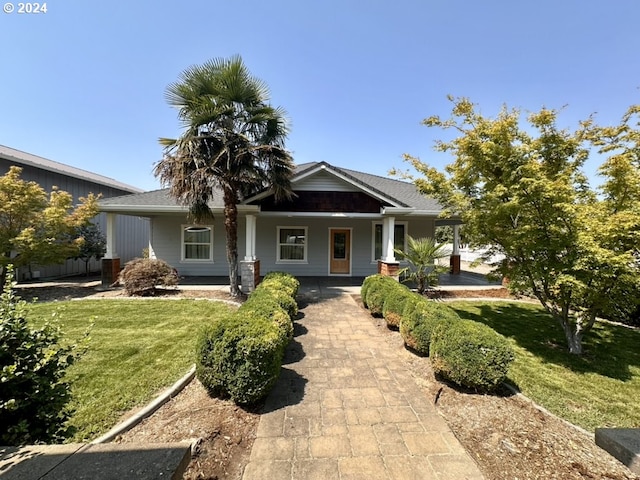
x=249, y=275
x=389, y=269
x=454, y=264
x=110, y=271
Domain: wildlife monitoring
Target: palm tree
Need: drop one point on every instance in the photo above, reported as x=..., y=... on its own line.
x=232, y=144
x=421, y=255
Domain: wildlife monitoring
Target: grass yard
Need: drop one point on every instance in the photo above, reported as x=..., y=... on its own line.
x=136, y=348
x=599, y=389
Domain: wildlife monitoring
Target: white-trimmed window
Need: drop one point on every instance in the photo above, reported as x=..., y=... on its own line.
x=197, y=243
x=292, y=244
x=399, y=239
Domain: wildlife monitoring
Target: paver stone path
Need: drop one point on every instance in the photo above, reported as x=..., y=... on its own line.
x=345, y=408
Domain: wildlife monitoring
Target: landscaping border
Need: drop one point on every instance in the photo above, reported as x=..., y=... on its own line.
x=148, y=410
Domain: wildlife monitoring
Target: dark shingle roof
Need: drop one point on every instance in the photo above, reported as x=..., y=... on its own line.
x=23, y=158
x=403, y=194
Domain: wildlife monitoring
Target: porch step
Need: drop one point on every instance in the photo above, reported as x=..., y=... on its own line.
x=108, y=461
x=623, y=444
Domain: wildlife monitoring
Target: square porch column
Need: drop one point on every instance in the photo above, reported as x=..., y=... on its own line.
x=388, y=265
x=454, y=262
x=111, y=261
x=250, y=266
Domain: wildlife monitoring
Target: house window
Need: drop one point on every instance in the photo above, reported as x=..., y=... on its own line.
x=399, y=238
x=292, y=244
x=197, y=243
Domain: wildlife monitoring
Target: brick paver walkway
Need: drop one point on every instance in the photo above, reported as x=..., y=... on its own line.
x=345, y=408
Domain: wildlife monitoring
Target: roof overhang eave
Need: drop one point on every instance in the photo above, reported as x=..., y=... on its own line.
x=442, y=222
x=159, y=209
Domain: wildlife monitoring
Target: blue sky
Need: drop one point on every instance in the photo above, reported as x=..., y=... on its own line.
x=84, y=83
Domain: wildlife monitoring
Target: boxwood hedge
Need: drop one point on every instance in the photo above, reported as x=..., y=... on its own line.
x=419, y=319
x=239, y=356
x=471, y=354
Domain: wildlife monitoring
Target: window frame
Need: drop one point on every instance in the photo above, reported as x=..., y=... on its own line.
x=183, y=257
x=305, y=245
x=404, y=223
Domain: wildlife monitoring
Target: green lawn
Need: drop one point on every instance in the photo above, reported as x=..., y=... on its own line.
x=136, y=348
x=601, y=388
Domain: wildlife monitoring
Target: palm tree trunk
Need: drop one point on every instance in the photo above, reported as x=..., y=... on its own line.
x=231, y=228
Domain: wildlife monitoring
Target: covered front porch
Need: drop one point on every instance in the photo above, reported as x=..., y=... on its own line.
x=463, y=280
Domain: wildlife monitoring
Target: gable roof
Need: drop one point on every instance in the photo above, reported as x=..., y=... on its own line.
x=396, y=193
x=23, y=158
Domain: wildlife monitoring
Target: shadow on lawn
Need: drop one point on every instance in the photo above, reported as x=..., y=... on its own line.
x=609, y=350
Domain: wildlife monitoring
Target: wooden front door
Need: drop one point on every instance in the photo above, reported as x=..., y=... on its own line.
x=340, y=251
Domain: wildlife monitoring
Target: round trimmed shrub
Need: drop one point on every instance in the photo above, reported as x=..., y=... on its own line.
x=273, y=296
x=420, y=318
x=471, y=354
x=281, y=281
x=366, y=284
x=240, y=359
x=268, y=309
x=394, y=305
x=377, y=293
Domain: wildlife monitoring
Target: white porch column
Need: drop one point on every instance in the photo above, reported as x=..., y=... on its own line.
x=388, y=239
x=111, y=261
x=111, y=236
x=454, y=262
x=456, y=240
x=250, y=266
x=250, y=249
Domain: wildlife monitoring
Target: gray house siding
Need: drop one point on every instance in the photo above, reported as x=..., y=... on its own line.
x=362, y=261
x=326, y=197
x=166, y=243
x=133, y=232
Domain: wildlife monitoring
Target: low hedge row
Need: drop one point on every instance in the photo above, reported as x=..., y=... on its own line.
x=240, y=355
x=467, y=353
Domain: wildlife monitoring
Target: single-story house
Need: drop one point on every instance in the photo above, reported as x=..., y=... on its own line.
x=340, y=222
x=79, y=183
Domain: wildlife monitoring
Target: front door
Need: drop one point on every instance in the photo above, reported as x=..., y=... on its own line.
x=340, y=254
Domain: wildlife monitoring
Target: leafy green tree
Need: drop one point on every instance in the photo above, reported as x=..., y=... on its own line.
x=522, y=192
x=421, y=255
x=618, y=215
x=444, y=234
x=34, y=394
x=36, y=228
x=233, y=142
x=94, y=245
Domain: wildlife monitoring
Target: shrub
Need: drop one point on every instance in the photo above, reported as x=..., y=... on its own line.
x=377, y=292
x=240, y=358
x=394, y=305
x=267, y=309
x=274, y=296
x=471, y=354
x=33, y=392
x=141, y=276
x=283, y=281
x=366, y=284
x=420, y=318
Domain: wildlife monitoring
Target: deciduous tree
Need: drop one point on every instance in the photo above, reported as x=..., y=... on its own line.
x=522, y=192
x=94, y=244
x=36, y=228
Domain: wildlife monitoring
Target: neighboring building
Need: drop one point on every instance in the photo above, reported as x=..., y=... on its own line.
x=341, y=222
x=134, y=231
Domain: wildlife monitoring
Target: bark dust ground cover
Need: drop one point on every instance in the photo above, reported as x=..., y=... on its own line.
x=507, y=435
